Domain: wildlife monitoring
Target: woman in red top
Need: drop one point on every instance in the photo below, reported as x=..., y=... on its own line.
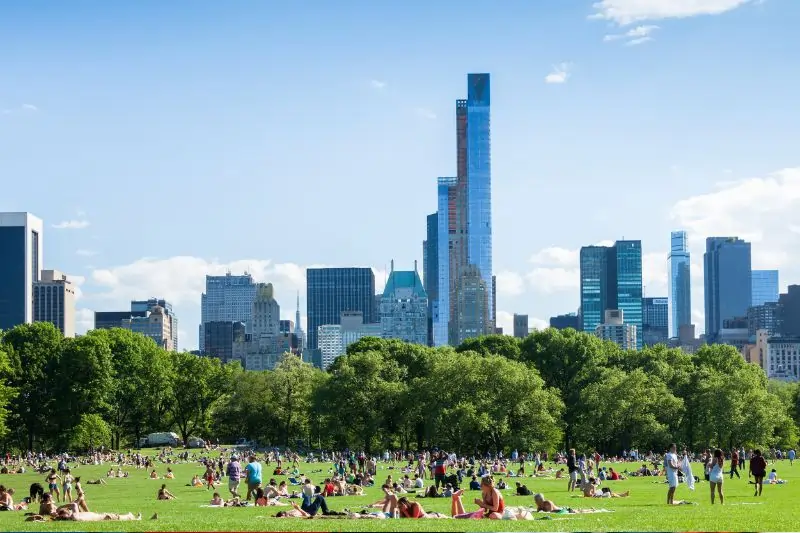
x=758, y=469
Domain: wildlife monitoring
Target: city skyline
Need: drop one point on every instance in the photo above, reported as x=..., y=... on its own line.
x=665, y=151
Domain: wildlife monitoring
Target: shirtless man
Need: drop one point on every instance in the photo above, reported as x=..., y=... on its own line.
x=590, y=491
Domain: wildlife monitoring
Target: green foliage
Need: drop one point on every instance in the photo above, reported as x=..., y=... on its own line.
x=92, y=432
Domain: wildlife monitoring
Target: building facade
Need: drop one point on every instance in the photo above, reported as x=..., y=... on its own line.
x=611, y=278
x=113, y=319
x=789, y=312
x=335, y=338
x=430, y=269
x=142, y=307
x=765, y=286
x=404, y=307
x=54, y=301
x=570, y=320
x=520, y=326
x=727, y=281
x=783, y=358
x=331, y=291
x=655, y=321
x=680, y=283
x=227, y=298
x=266, y=344
x=156, y=324
x=221, y=337
x=763, y=317
x=21, y=249
x=615, y=329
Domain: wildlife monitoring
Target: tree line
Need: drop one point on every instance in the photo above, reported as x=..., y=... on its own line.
x=552, y=390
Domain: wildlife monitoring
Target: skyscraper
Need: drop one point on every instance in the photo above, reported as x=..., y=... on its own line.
x=464, y=229
x=765, y=286
x=330, y=291
x=54, y=301
x=520, y=326
x=404, y=307
x=611, y=279
x=430, y=270
x=227, y=298
x=20, y=267
x=141, y=308
x=655, y=321
x=728, y=282
x=680, y=283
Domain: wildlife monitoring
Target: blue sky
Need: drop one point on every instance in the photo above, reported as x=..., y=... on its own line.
x=175, y=139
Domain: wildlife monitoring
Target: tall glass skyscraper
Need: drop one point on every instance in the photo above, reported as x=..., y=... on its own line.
x=21, y=250
x=680, y=283
x=331, y=291
x=728, y=282
x=611, y=278
x=765, y=286
x=227, y=298
x=430, y=270
x=465, y=226
x=655, y=321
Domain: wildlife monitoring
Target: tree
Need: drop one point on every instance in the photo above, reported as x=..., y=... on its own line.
x=90, y=433
x=196, y=386
x=243, y=410
x=6, y=391
x=34, y=351
x=504, y=345
x=291, y=385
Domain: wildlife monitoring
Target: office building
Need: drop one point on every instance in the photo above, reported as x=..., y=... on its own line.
x=266, y=344
x=227, y=298
x=728, y=282
x=611, y=279
x=734, y=332
x=430, y=270
x=221, y=337
x=335, y=338
x=54, y=301
x=765, y=286
x=140, y=307
x=113, y=319
x=464, y=230
x=520, y=326
x=680, y=283
x=21, y=266
x=156, y=324
x=570, y=320
x=404, y=307
x=756, y=351
x=763, y=317
x=286, y=326
x=783, y=358
x=655, y=321
x=789, y=312
x=331, y=291
x=615, y=329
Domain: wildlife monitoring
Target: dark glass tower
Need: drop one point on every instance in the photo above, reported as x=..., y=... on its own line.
x=430, y=269
x=728, y=282
x=330, y=291
x=655, y=321
x=680, y=286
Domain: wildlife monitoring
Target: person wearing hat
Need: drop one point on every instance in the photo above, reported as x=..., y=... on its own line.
x=234, y=473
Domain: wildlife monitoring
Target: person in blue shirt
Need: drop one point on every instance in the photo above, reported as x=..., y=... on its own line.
x=253, y=472
x=792, y=454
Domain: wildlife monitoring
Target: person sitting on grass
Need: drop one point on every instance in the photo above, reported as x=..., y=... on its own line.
x=263, y=500
x=474, y=484
x=523, y=490
x=169, y=475
x=81, y=496
x=196, y=481
x=164, y=494
x=773, y=478
x=491, y=504
x=590, y=491
x=153, y=474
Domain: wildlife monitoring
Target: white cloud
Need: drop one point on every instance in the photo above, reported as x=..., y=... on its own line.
x=84, y=320
x=549, y=280
x=556, y=255
x=424, y=112
x=86, y=253
x=72, y=224
x=560, y=73
x=30, y=107
x=377, y=84
x=638, y=35
x=510, y=283
x=77, y=282
x=624, y=12
x=24, y=108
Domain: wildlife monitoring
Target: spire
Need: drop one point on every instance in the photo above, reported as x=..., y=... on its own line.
x=297, y=316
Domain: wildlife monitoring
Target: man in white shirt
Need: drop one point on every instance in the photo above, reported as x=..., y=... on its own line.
x=671, y=465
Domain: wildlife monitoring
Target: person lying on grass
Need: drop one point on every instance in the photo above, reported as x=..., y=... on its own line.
x=263, y=500
x=544, y=505
x=590, y=491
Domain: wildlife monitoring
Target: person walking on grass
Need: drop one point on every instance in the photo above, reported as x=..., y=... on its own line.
x=234, y=472
x=758, y=469
x=671, y=466
x=572, y=467
x=735, y=463
x=253, y=471
x=716, y=476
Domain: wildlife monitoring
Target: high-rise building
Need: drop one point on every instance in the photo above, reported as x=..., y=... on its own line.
x=298, y=328
x=113, y=319
x=221, y=337
x=765, y=286
x=763, y=317
x=465, y=300
x=611, y=279
x=227, y=298
x=286, y=326
x=680, y=283
x=267, y=344
x=570, y=320
x=789, y=312
x=728, y=283
x=54, y=301
x=334, y=339
x=520, y=326
x=331, y=291
x=430, y=270
x=404, y=307
x=783, y=358
x=156, y=324
x=615, y=329
x=655, y=321
x=141, y=307
x=20, y=267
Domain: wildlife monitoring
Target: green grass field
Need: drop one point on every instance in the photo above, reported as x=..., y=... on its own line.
x=645, y=510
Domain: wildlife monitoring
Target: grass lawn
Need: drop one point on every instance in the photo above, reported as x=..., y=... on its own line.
x=644, y=510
